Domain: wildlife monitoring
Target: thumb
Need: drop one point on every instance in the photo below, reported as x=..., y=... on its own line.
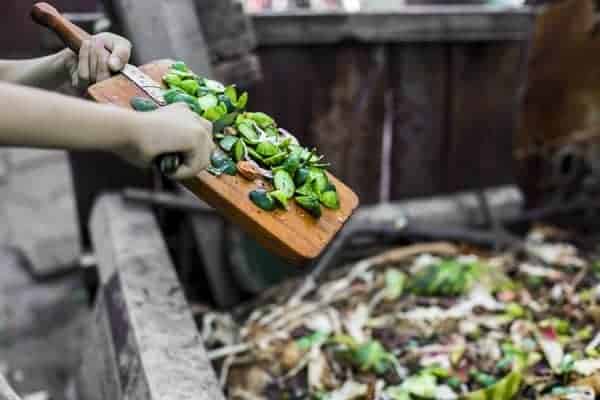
x=120, y=49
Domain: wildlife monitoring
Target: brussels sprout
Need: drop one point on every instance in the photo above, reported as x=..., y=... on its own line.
x=310, y=204
x=330, y=199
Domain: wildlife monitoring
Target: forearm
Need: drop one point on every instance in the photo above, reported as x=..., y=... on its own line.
x=35, y=118
x=45, y=72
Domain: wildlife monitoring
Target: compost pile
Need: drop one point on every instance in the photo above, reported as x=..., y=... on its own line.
x=429, y=321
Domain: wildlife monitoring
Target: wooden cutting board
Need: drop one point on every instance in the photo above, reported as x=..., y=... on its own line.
x=291, y=234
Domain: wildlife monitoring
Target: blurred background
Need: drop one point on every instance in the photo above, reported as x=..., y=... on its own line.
x=434, y=109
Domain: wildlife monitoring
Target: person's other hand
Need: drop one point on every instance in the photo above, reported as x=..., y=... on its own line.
x=98, y=57
x=171, y=129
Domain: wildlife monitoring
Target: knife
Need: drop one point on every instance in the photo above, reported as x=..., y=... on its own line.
x=73, y=36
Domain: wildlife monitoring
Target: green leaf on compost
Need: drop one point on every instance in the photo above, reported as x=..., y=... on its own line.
x=394, y=283
x=505, y=389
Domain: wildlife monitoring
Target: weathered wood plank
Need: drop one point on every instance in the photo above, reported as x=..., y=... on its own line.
x=156, y=349
x=331, y=98
x=485, y=79
x=419, y=80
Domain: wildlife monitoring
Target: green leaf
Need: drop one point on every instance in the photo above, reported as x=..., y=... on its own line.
x=284, y=183
x=316, y=338
x=422, y=385
x=394, y=283
x=372, y=356
x=208, y=101
x=228, y=142
x=505, y=389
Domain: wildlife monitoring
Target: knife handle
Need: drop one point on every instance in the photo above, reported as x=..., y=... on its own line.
x=168, y=163
x=71, y=35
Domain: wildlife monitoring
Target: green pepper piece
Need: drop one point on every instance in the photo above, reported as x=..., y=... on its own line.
x=320, y=181
x=180, y=66
x=280, y=198
x=225, y=100
x=284, y=183
x=172, y=80
x=306, y=190
x=228, y=142
x=262, y=199
x=143, y=104
x=276, y=159
x=223, y=163
x=330, y=199
x=292, y=163
x=310, y=204
x=253, y=154
x=242, y=101
x=231, y=93
x=170, y=95
x=215, y=113
x=208, y=101
x=262, y=119
x=248, y=132
x=239, y=150
x=190, y=86
x=267, y=149
x=214, y=86
x=223, y=122
x=302, y=176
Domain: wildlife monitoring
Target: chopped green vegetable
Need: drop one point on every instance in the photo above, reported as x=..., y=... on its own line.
x=330, y=199
x=239, y=150
x=208, y=101
x=310, y=204
x=284, y=183
x=143, y=104
x=228, y=142
x=262, y=199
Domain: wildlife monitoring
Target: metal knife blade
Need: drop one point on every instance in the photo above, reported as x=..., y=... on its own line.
x=144, y=82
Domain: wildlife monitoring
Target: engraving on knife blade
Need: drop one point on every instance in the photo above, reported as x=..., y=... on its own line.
x=144, y=82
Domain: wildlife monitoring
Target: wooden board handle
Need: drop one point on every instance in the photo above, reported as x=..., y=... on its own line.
x=48, y=16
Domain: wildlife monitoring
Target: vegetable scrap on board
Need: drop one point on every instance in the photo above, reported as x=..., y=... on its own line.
x=429, y=321
x=252, y=144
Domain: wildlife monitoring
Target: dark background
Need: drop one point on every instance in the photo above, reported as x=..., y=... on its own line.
x=19, y=36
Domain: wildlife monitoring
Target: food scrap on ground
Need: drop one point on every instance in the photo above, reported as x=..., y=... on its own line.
x=429, y=321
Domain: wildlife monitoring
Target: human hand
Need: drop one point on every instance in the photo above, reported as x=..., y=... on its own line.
x=98, y=57
x=171, y=129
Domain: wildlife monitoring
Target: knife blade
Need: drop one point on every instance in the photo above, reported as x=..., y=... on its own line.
x=144, y=82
